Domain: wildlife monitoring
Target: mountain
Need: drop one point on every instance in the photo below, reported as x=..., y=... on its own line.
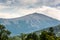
x=29, y=23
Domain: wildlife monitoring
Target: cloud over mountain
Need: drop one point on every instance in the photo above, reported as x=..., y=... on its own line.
x=18, y=8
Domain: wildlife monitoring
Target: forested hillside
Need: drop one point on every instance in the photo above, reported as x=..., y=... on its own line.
x=43, y=35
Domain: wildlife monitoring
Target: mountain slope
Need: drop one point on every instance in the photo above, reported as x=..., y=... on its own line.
x=29, y=23
x=56, y=30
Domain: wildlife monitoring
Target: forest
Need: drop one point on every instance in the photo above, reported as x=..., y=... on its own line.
x=44, y=35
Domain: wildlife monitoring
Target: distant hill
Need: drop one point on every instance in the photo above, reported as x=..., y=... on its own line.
x=29, y=23
x=56, y=30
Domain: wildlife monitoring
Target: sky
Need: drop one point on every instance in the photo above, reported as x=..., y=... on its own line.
x=19, y=8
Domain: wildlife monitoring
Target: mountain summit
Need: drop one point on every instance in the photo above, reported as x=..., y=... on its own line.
x=29, y=23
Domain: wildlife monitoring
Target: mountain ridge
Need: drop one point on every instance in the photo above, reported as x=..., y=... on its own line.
x=27, y=15
x=29, y=23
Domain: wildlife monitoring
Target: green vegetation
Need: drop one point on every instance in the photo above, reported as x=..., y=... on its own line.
x=44, y=35
x=4, y=33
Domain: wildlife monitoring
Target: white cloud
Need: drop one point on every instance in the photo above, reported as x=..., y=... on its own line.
x=2, y=7
x=28, y=2
x=8, y=15
x=19, y=12
x=53, y=12
x=8, y=2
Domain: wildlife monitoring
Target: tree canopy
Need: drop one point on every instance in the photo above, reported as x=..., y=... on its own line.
x=4, y=33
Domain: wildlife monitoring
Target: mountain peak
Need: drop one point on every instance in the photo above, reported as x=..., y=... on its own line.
x=36, y=13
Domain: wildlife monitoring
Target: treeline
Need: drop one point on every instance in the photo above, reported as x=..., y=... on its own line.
x=44, y=35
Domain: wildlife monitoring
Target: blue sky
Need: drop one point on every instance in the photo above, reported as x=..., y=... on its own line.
x=18, y=8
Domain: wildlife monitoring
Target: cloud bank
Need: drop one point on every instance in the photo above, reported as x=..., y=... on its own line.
x=18, y=8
